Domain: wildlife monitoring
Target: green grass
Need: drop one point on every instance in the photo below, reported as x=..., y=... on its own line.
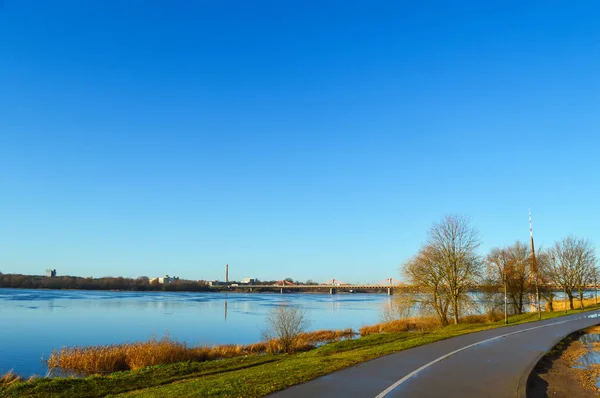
x=250, y=376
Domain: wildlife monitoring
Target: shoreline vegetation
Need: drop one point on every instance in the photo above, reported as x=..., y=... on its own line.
x=138, y=355
x=122, y=284
x=169, y=368
x=141, y=284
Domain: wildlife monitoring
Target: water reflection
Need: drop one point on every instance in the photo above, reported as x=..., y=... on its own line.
x=591, y=357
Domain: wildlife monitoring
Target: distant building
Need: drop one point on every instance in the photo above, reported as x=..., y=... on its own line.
x=284, y=283
x=217, y=283
x=51, y=273
x=249, y=281
x=165, y=279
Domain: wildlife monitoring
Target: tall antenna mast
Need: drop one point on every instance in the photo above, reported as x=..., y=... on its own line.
x=534, y=269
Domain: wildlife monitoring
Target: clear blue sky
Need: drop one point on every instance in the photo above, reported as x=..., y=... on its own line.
x=302, y=139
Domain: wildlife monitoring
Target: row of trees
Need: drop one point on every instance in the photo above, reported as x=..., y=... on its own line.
x=447, y=268
x=109, y=283
x=113, y=283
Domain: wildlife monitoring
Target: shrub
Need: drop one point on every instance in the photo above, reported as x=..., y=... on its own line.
x=9, y=378
x=286, y=323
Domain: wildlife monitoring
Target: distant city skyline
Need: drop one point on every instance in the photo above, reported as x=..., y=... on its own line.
x=305, y=140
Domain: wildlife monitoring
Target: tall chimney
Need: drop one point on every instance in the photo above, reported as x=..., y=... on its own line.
x=226, y=273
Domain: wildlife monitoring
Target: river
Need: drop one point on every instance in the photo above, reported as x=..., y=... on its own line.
x=34, y=322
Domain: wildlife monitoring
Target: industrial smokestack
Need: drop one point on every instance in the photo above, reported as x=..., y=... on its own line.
x=226, y=273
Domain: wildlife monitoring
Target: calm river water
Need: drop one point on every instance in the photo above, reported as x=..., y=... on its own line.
x=33, y=322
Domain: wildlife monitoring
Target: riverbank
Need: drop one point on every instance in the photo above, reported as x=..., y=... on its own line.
x=251, y=375
x=571, y=368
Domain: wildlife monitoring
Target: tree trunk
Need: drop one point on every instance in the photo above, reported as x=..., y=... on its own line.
x=456, y=310
x=571, y=301
x=520, y=304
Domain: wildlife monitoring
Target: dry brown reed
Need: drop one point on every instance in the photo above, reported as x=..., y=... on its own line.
x=114, y=358
x=402, y=325
x=489, y=317
x=9, y=378
x=306, y=341
x=559, y=305
x=424, y=324
x=326, y=336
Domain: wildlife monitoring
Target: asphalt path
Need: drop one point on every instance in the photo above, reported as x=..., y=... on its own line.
x=491, y=363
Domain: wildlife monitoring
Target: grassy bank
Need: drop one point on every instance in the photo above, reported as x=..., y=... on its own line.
x=132, y=356
x=249, y=375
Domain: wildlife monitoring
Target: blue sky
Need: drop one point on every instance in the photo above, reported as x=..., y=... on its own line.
x=294, y=139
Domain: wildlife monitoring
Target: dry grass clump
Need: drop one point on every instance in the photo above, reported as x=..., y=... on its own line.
x=130, y=356
x=256, y=348
x=402, y=325
x=305, y=341
x=559, y=305
x=424, y=324
x=490, y=317
x=275, y=346
x=309, y=340
x=326, y=336
x=114, y=358
x=9, y=378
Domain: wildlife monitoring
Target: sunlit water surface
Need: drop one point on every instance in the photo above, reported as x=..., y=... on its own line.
x=34, y=322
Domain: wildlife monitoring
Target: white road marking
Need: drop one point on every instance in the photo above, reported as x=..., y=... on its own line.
x=414, y=372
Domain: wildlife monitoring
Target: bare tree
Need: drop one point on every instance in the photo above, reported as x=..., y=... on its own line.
x=447, y=267
x=547, y=291
x=511, y=267
x=425, y=272
x=497, y=269
x=585, y=269
x=571, y=266
x=285, y=323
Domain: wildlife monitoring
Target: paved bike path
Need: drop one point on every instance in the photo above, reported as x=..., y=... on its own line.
x=495, y=368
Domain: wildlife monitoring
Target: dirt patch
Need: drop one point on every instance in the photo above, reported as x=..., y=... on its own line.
x=555, y=375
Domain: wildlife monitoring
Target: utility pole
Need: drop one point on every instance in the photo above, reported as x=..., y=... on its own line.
x=596, y=285
x=534, y=269
x=505, y=297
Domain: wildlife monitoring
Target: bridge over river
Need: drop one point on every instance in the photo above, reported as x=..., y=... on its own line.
x=333, y=286
x=386, y=286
